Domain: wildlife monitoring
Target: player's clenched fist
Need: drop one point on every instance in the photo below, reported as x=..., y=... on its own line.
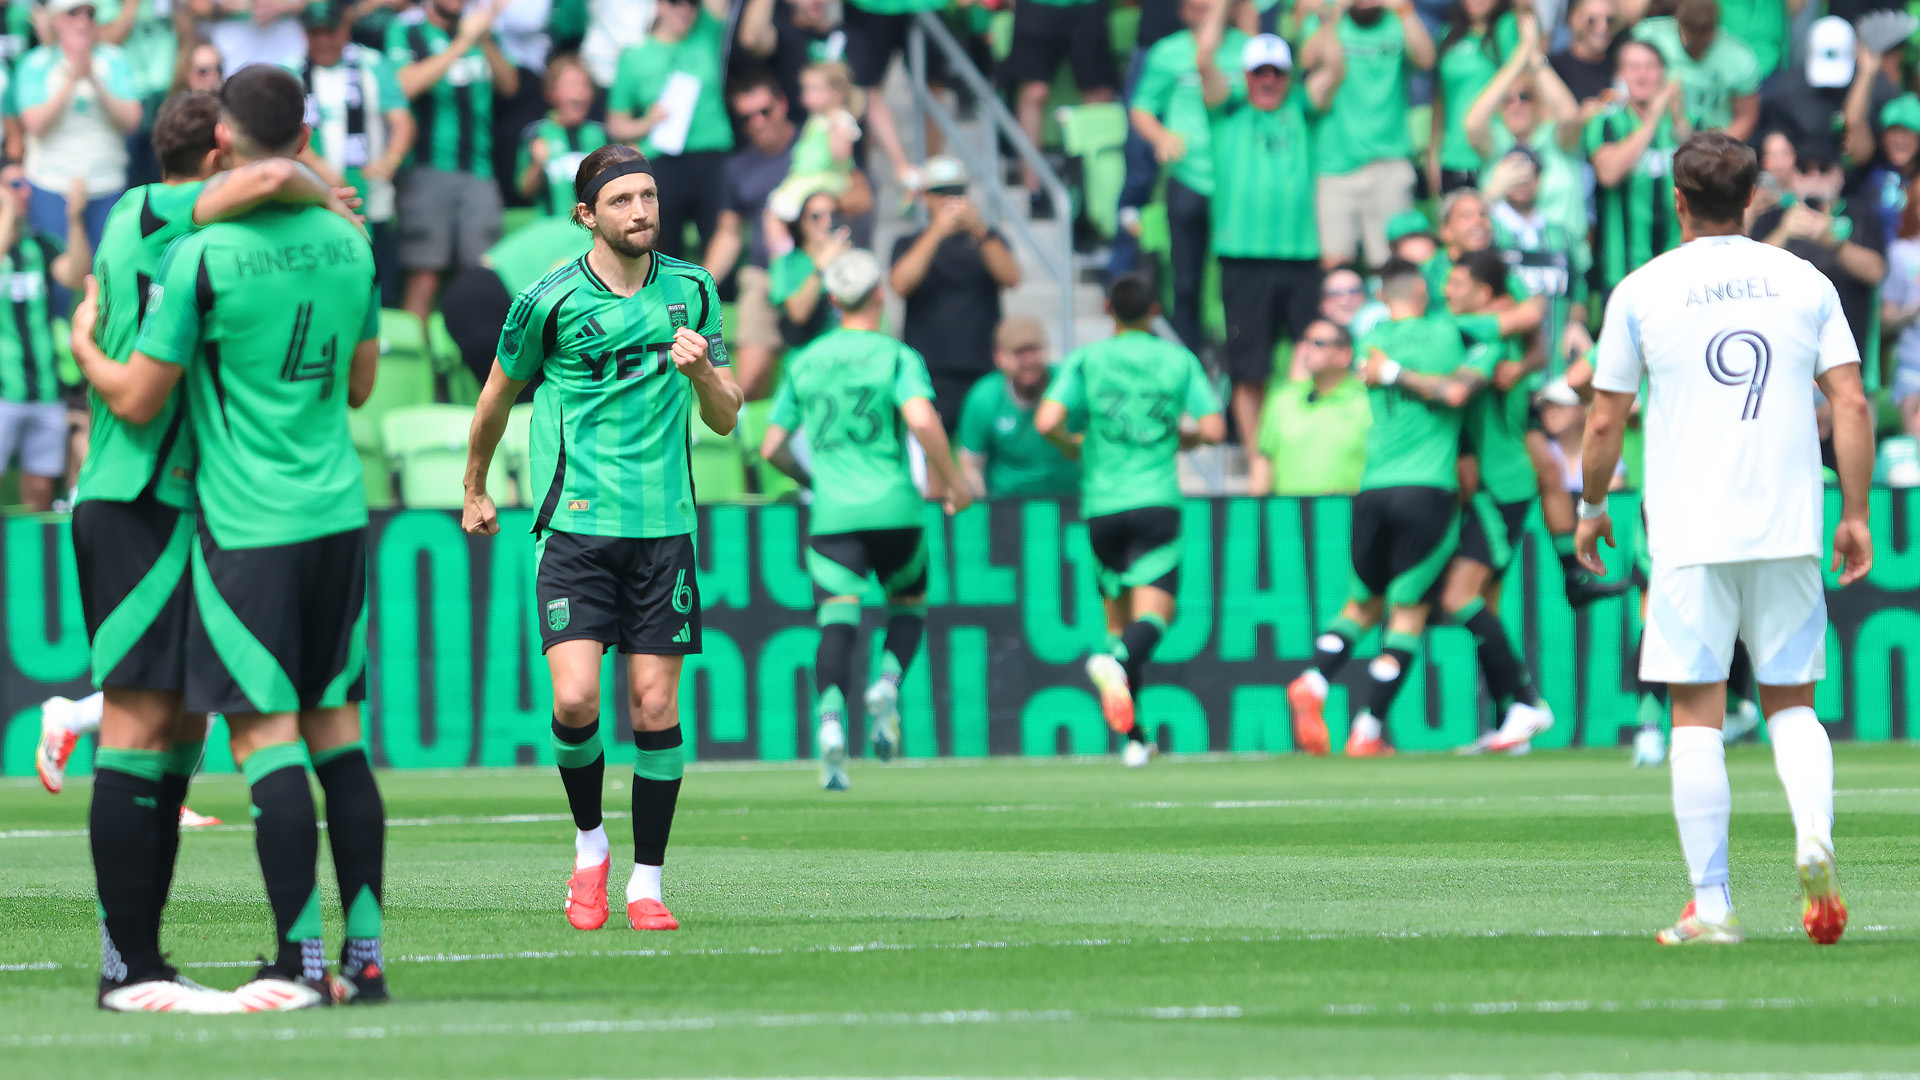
x=478, y=517
x=689, y=351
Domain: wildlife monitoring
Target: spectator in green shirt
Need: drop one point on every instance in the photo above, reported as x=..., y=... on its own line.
x=1264, y=230
x=794, y=284
x=1314, y=430
x=1001, y=453
x=1719, y=75
x=552, y=148
x=1527, y=106
x=1363, y=145
x=647, y=107
x=1481, y=35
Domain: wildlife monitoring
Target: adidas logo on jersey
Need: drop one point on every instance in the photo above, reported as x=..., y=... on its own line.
x=685, y=636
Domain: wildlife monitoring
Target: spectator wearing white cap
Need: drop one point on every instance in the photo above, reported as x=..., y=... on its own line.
x=1808, y=102
x=78, y=101
x=950, y=274
x=1265, y=230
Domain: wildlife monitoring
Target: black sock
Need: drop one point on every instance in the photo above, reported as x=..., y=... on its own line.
x=1570, y=567
x=1332, y=648
x=357, y=834
x=658, y=763
x=286, y=836
x=583, y=766
x=833, y=668
x=1387, y=678
x=904, y=625
x=173, y=793
x=123, y=830
x=1137, y=643
x=1506, y=674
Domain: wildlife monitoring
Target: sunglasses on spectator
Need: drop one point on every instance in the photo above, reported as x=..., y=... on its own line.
x=1322, y=342
x=1523, y=98
x=1350, y=290
x=18, y=183
x=757, y=114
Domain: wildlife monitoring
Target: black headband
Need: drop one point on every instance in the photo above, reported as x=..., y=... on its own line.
x=630, y=167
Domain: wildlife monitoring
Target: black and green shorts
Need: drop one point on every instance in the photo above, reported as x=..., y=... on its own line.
x=1401, y=541
x=640, y=594
x=132, y=559
x=279, y=628
x=1136, y=547
x=1490, y=531
x=840, y=562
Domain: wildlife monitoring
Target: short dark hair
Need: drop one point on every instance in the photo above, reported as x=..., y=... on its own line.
x=1697, y=14
x=755, y=80
x=267, y=104
x=1716, y=173
x=1489, y=268
x=1397, y=274
x=183, y=132
x=598, y=162
x=1636, y=43
x=1132, y=297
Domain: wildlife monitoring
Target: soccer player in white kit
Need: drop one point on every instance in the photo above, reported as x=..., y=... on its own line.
x=1732, y=336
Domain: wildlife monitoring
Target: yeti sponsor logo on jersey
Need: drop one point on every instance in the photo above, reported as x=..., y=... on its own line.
x=1741, y=357
x=558, y=614
x=630, y=362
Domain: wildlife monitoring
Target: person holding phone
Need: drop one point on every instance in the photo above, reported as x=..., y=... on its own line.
x=820, y=235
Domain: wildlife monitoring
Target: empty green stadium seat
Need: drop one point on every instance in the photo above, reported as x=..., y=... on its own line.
x=719, y=470
x=376, y=473
x=754, y=418
x=427, y=447
x=1097, y=135
x=405, y=376
x=516, y=450
x=515, y=218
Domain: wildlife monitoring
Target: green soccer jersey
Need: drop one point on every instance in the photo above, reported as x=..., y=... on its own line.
x=1134, y=387
x=1169, y=89
x=566, y=148
x=1761, y=25
x=1495, y=421
x=123, y=459
x=845, y=390
x=1413, y=442
x=1549, y=262
x=1634, y=220
x=1709, y=84
x=1367, y=119
x=453, y=118
x=27, y=360
x=646, y=69
x=612, y=417
x=1019, y=460
x=265, y=312
x=1263, y=205
x=1465, y=69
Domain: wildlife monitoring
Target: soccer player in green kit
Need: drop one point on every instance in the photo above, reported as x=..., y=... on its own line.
x=1137, y=391
x=133, y=527
x=272, y=321
x=628, y=341
x=1406, y=516
x=853, y=390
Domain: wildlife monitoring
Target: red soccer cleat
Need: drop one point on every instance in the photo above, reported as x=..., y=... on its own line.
x=1825, y=917
x=1116, y=697
x=587, y=896
x=1309, y=717
x=650, y=915
x=56, y=744
x=1359, y=747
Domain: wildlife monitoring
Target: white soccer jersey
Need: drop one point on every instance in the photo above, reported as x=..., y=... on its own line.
x=1730, y=334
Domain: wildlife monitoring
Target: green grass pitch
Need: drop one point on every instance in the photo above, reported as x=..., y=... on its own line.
x=1248, y=917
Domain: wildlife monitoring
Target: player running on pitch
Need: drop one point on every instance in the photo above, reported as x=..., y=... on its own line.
x=272, y=320
x=1406, y=519
x=133, y=530
x=852, y=390
x=1733, y=334
x=629, y=343
x=1138, y=391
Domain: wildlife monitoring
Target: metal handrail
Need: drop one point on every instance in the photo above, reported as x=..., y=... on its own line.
x=1056, y=261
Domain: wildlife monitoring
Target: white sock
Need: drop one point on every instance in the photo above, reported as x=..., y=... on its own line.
x=85, y=718
x=1316, y=682
x=1366, y=726
x=1702, y=806
x=590, y=847
x=644, y=884
x=1803, y=756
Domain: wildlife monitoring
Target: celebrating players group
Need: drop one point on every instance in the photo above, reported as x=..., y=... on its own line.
x=220, y=527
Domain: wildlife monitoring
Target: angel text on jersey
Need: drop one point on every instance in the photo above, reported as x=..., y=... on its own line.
x=1753, y=288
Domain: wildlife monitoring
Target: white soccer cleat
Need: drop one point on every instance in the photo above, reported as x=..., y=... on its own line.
x=1521, y=725
x=1136, y=755
x=1694, y=930
x=273, y=993
x=191, y=820
x=1649, y=748
x=175, y=994
x=1741, y=721
x=883, y=713
x=57, y=741
x=833, y=756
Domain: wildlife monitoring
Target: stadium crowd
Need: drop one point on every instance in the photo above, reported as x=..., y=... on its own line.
x=1276, y=156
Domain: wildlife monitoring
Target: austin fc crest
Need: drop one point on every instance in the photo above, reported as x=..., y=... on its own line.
x=558, y=614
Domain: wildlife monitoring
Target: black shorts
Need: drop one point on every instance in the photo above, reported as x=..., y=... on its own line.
x=1046, y=34
x=132, y=559
x=278, y=629
x=840, y=562
x=1266, y=301
x=639, y=593
x=1136, y=547
x=873, y=41
x=1402, y=539
x=1490, y=532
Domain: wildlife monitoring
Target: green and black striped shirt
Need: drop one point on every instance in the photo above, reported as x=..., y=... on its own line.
x=27, y=361
x=1634, y=220
x=454, y=117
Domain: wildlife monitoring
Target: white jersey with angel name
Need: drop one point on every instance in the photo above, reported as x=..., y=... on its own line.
x=1729, y=333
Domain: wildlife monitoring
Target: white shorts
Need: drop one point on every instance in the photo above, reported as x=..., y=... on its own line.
x=1777, y=606
x=37, y=432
